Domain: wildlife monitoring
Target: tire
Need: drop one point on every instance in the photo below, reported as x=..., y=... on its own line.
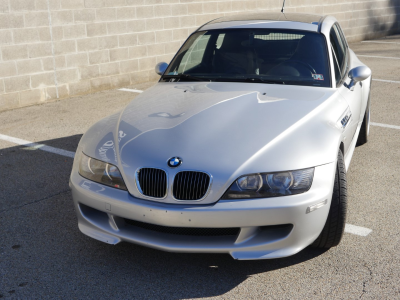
x=333, y=230
x=364, y=131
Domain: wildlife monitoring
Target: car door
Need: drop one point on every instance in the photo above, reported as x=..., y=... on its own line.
x=341, y=60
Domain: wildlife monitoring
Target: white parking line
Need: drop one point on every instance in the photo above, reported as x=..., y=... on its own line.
x=131, y=90
x=357, y=230
x=378, y=56
x=391, y=81
x=385, y=125
x=37, y=146
x=379, y=42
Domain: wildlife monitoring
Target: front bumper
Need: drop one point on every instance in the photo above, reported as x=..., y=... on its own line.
x=102, y=211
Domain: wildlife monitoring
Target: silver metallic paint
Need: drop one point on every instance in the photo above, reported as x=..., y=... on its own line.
x=358, y=74
x=250, y=128
x=248, y=214
x=261, y=24
x=200, y=120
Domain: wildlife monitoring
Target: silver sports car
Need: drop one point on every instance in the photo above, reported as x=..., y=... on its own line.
x=242, y=146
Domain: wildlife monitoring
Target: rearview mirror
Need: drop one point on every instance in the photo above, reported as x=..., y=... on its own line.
x=161, y=67
x=358, y=74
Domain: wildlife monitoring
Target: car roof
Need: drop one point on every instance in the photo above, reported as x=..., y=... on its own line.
x=311, y=22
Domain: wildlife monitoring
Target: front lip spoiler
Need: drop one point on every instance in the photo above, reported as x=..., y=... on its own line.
x=113, y=230
x=109, y=207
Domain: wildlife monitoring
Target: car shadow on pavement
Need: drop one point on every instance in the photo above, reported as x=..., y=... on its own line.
x=45, y=255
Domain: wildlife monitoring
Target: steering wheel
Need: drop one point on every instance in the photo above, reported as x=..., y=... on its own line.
x=308, y=66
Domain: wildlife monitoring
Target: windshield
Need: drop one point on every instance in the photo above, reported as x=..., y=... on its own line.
x=252, y=55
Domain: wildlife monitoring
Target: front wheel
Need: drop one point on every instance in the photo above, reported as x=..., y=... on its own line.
x=334, y=226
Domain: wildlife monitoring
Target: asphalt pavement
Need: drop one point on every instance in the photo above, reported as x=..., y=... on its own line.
x=44, y=255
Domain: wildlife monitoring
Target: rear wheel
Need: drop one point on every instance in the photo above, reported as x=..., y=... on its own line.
x=364, y=131
x=334, y=226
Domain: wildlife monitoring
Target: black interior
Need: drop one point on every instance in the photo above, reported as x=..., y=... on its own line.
x=284, y=54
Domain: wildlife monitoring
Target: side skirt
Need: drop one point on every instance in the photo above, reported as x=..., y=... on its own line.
x=350, y=151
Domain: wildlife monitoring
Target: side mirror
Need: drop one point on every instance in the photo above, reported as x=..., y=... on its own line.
x=161, y=67
x=358, y=74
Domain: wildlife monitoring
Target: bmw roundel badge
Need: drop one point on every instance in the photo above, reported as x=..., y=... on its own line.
x=174, y=162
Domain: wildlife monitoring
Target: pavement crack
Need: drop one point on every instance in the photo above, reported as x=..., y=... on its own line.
x=35, y=201
x=364, y=291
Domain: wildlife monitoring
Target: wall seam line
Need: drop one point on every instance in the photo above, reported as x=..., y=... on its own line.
x=52, y=48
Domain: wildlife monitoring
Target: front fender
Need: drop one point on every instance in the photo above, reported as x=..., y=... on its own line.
x=99, y=141
x=311, y=142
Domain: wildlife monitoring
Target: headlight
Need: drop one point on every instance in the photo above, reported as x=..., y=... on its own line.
x=266, y=185
x=101, y=172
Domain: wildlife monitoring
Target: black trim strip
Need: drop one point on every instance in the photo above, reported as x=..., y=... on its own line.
x=206, y=24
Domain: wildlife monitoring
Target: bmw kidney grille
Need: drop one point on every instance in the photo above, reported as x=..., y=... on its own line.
x=188, y=185
x=152, y=182
x=191, y=185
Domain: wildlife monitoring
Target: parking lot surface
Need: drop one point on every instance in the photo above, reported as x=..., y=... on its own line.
x=44, y=255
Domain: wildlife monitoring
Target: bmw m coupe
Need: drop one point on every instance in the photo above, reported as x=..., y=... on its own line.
x=242, y=147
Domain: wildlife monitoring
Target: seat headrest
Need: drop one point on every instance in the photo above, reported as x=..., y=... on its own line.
x=233, y=42
x=309, y=48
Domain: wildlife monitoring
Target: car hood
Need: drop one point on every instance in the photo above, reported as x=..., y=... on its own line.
x=224, y=129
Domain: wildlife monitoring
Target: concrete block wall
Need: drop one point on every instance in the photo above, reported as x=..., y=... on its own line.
x=54, y=49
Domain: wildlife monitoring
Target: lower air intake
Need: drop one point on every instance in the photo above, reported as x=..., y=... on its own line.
x=186, y=230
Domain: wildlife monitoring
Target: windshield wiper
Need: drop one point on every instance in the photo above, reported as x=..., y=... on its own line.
x=257, y=79
x=185, y=77
x=250, y=79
